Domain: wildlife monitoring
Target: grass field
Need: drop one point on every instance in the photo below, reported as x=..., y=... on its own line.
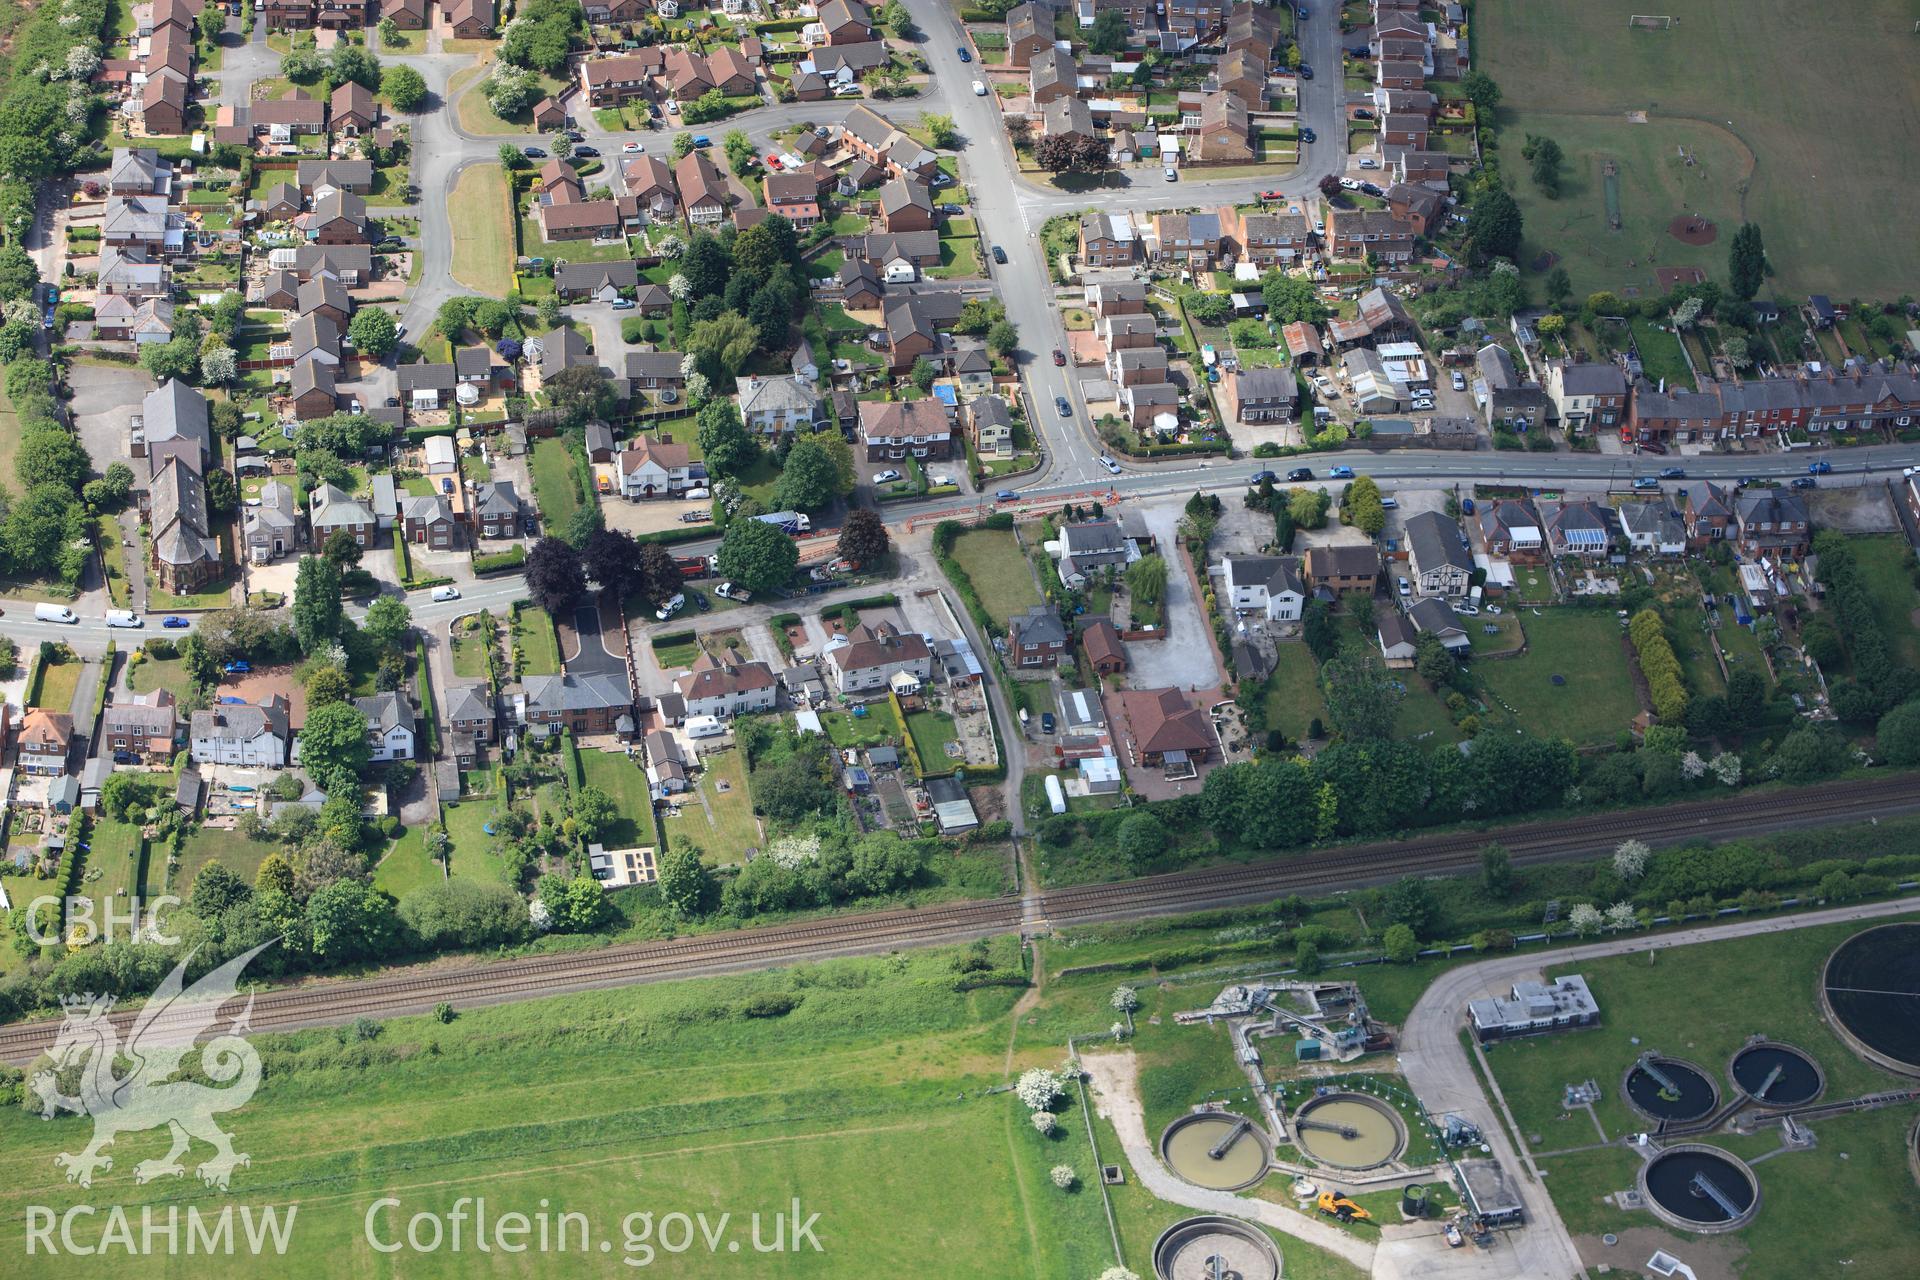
x=209, y=844
x=475, y=854
x=1883, y=567
x=115, y=868
x=1649, y=998
x=534, y=636
x=1732, y=79
x=1000, y=574
x=555, y=486
x=1293, y=693
x=57, y=684
x=626, y=782
x=1582, y=646
x=724, y=827
x=406, y=866
x=482, y=218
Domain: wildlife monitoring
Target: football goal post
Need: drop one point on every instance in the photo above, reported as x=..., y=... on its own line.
x=1651, y=21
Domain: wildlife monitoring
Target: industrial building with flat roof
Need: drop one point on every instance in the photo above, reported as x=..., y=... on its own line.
x=1533, y=1008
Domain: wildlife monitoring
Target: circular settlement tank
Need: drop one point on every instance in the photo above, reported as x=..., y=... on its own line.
x=1700, y=1188
x=1776, y=1075
x=1349, y=1131
x=1216, y=1149
x=1871, y=993
x=1692, y=1095
x=1203, y=1248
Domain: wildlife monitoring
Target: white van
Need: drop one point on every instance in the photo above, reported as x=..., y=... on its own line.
x=55, y=613
x=705, y=726
x=124, y=618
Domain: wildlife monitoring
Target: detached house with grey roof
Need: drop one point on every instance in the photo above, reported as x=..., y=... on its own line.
x=1437, y=556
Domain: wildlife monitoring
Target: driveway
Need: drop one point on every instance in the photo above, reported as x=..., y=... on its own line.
x=1184, y=658
x=104, y=400
x=591, y=655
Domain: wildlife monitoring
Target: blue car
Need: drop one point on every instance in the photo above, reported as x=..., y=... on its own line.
x=1005, y=495
x=1308, y=135
x=1340, y=473
x=1306, y=72
x=239, y=668
x=966, y=54
x=175, y=620
x=1820, y=468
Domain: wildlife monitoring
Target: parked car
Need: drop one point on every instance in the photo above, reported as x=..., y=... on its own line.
x=448, y=592
x=966, y=54
x=125, y=757
x=1060, y=403
x=1361, y=113
x=671, y=607
x=238, y=667
x=1171, y=175
x=1646, y=482
x=1000, y=255
x=1308, y=135
x=1272, y=195
x=1340, y=472
x=1368, y=162
x=1389, y=504
x=1350, y=184
x=604, y=483
x=773, y=162
x=886, y=477
x=979, y=89
x=1046, y=722
x=1306, y=72
x=1459, y=380
x=697, y=493
x=1371, y=189
x=951, y=210
x=622, y=304
x=695, y=517
x=1467, y=610
x=1805, y=482
x=1109, y=464
x=1059, y=358
x=174, y=620
x=1299, y=474
x=1405, y=587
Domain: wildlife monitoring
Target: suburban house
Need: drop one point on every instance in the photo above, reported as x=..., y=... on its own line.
x=470, y=19
x=893, y=431
x=859, y=284
x=242, y=734
x=720, y=687
x=273, y=528
x=1654, y=527
x=1437, y=556
x=1581, y=527
x=1190, y=240
x=470, y=710
x=1253, y=396
x=596, y=281
x=1029, y=33
x=1053, y=75
x=794, y=196
x=323, y=295
x=425, y=388
x=776, y=404
x=338, y=217
x=1105, y=654
x=871, y=655
x=496, y=509
x=650, y=469
x=141, y=724
x=1342, y=568
x=666, y=764
x=1219, y=134
x=390, y=724
x=703, y=192
x=1512, y=527
x=992, y=427
x=1398, y=640
x=1269, y=585
x=1358, y=233
x=906, y=205
x=43, y=740
x=609, y=82
x=1270, y=239
x=845, y=22
x=1038, y=638
x=1772, y=522
x=1708, y=513
x=1435, y=617
x=427, y=519
x=333, y=508
x=586, y=704
x=352, y=111
x=1586, y=396
x=185, y=556
x=1167, y=731
x=1108, y=240
x=1090, y=547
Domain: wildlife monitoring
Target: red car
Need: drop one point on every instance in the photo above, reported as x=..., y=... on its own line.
x=773, y=162
x=1271, y=195
x=1059, y=357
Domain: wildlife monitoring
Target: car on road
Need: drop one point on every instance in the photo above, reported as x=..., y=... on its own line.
x=1006, y=495
x=1340, y=472
x=1272, y=195
x=399, y=331
x=1459, y=380
x=1804, y=482
x=633, y=148
x=979, y=89
x=1306, y=72
x=1171, y=174
x=886, y=477
x=1109, y=464
x=1299, y=474
x=446, y=593
x=1000, y=255
x=1674, y=473
x=1819, y=468
x=1261, y=477
x=701, y=141
x=174, y=620
x=966, y=54
x=1303, y=11
x=1647, y=482
x=1060, y=403
x=1308, y=135
x=535, y=153
x=124, y=618
x=1059, y=358
x=586, y=151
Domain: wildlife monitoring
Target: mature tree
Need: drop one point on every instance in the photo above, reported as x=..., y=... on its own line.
x=352, y=62
x=342, y=550
x=173, y=359
x=373, y=331
x=1362, y=698
x=1546, y=157
x=1070, y=153
x=612, y=559
x=686, y=886
x=1410, y=901
x=1808, y=754
x=1147, y=581
x=1493, y=226
x=922, y=374
x=594, y=812
x=1482, y=92
x=809, y=480
x=1210, y=308
x=723, y=345
x=707, y=264
x=1496, y=870
x=387, y=622
x=219, y=365
x=223, y=492
x=555, y=577
x=1330, y=186
x=1559, y=285
x=18, y=273
x=317, y=612
x=1898, y=735
x=1003, y=339
x=348, y=921
x=325, y=684
x=302, y=65
x=1141, y=839
x=583, y=392
x=658, y=577
x=1290, y=299
x=757, y=555
x=1746, y=262
x=465, y=912
x=863, y=538
x=1110, y=33
x=510, y=90
x=51, y=456
x=455, y=316
x=726, y=444
x=1400, y=944
x=333, y=743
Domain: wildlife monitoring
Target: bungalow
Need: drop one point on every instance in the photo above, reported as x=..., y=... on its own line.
x=425, y=388
x=1581, y=527
x=596, y=281
x=1654, y=527
x=317, y=176
x=293, y=112
x=666, y=764
x=721, y=687
x=1512, y=528
x=1166, y=731
x=139, y=171
x=649, y=468
x=245, y=734
x=777, y=404
x=1342, y=568
x=847, y=63
x=408, y=15
x=1435, y=617
x=390, y=725
x=497, y=509
x=352, y=263
x=688, y=74
x=1437, y=556
x=131, y=273
x=1270, y=585
x=563, y=218
x=655, y=370
x=1038, y=638
x=732, y=73
x=873, y=653
x=470, y=19
x=892, y=431
x=1398, y=640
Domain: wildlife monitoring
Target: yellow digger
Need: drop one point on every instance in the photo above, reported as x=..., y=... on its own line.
x=1336, y=1205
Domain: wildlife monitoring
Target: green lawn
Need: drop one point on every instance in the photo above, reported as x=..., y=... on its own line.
x=481, y=211
x=1660, y=354
x=1584, y=647
x=116, y=869
x=724, y=828
x=475, y=854
x=471, y=639
x=556, y=485
x=539, y=646
x=161, y=673
x=1645, y=1007
x=1883, y=567
x=878, y=727
x=406, y=866
x=57, y=684
x=209, y=844
x=1001, y=576
x=1750, y=106
x=931, y=731
x=678, y=656
x=626, y=781
x=1293, y=693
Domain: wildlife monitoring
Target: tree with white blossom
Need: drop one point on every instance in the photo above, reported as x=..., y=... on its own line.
x=1044, y=1123
x=1125, y=1000
x=1630, y=859
x=1119, y=1030
x=1118, y=1273
x=1037, y=1087
x=1726, y=768
x=679, y=286
x=1620, y=917
x=1586, y=919
x=1063, y=1176
x=1692, y=767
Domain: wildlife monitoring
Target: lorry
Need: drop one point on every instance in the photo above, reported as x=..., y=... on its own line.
x=692, y=567
x=789, y=522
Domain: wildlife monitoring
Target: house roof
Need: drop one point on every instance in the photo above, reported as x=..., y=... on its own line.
x=333, y=507
x=229, y=722
x=713, y=677
x=884, y=246
x=1102, y=641
x=1435, y=540
x=569, y=692
x=428, y=508
x=783, y=395
x=472, y=362
x=904, y=193
x=646, y=450
x=879, y=644
x=322, y=290
x=1280, y=575
x=179, y=516
x=352, y=98
x=1040, y=624
x=1163, y=721
x=311, y=375
x=1593, y=380
x=469, y=700
x=882, y=421
x=1434, y=615
x=386, y=712
x=699, y=181
x=175, y=411
x=428, y=377
x=497, y=498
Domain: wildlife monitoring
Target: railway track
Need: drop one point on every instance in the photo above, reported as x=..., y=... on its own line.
x=327, y=1002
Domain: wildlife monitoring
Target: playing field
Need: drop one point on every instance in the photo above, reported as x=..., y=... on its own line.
x=1797, y=112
